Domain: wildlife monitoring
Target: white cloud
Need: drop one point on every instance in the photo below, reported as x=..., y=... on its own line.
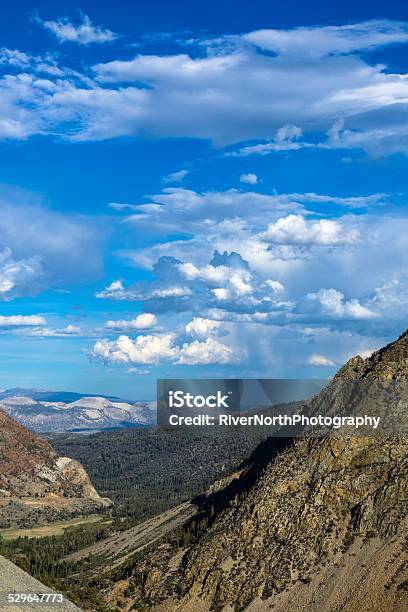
x=84, y=33
x=153, y=350
x=238, y=280
x=18, y=277
x=333, y=303
x=203, y=213
x=49, y=332
x=13, y=57
x=295, y=230
x=275, y=285
x=21, y=320
x=250, y=179
x=175, y=177
x=170, y=292
x=241, y=93
x=204, y=353
x=350, y=202
x=142, y=321
x=202, y=328
x=147, y=350
x=320, y=360
x=221, y=294
x=115, y=291
x=319, y=42
x=34, y=257
x=287, y=138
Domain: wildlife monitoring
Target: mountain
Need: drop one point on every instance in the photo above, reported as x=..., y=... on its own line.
x=36, y=484
x=85, y=413
x=311, y=524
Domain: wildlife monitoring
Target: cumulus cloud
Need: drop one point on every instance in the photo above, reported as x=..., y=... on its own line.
x=209, y=213
x=275, y=285
x=157, y=349
x=294, y=229
x=208, y=352
x=237, y=221
x=274, y=255
x=116, y=291
x=142, y=321
x=202, y=328
x=333, y=303
x=226, y=284
x=250, y=179
x=84, y=33
x=146, y=350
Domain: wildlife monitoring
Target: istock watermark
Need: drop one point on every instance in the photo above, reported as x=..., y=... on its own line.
x=286, y=407
x=180, y=399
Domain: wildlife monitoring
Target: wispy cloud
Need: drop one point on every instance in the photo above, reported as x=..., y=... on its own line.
x=320, y=360
x=21, y=320
x=49, y=332
x=175, y=177
x=83, y=33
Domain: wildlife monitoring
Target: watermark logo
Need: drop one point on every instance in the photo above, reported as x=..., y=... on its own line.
x=285, y=407
x=180, y=399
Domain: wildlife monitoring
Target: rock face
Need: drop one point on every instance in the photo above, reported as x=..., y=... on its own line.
x=320, y=526
x=35, y=482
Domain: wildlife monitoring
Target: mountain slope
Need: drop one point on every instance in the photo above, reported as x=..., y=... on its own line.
x=15, y=580
x=36, y=483
x=322, y=525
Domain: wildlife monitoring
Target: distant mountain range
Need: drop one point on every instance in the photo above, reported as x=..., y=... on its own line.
x=55, y=411
x=44, y=395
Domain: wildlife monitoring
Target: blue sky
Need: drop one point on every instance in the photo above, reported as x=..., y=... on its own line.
x=191, y=191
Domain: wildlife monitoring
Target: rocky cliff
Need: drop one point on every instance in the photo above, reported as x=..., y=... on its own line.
x=36, y=484
x=320, y=525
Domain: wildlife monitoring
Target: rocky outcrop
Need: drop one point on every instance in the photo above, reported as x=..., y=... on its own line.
x=35, y=482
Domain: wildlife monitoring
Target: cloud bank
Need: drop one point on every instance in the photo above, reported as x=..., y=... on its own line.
x=249, y=87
